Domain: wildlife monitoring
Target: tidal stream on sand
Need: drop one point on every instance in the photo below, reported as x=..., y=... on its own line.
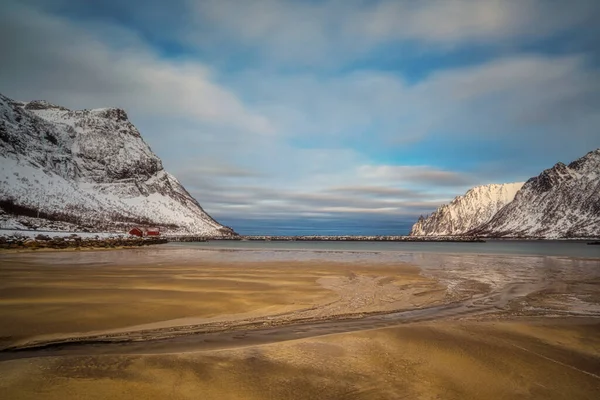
x=473, y=286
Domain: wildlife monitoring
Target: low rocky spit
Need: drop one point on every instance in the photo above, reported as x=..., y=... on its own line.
x=318, y=238
x=16, y=242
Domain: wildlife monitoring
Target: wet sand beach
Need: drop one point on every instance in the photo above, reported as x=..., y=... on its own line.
x=450, y=360
x=175, y=323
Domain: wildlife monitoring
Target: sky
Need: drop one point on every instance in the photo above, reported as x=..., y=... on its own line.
x=335, y=116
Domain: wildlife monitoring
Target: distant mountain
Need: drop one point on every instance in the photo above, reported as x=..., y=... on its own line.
x=561, y=202
x=88, y=169
x=466, y=212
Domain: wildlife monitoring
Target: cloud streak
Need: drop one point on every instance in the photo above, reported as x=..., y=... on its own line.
x=381, y=191
x=327, y=32
x=57, y=59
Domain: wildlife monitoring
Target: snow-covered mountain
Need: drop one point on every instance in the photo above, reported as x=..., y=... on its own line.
x=466, y=212
x=563, y=201
x=89, y=168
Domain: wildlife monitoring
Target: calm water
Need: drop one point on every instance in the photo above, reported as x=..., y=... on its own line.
x=514, y=247
x=347, y=225
x=483, y=258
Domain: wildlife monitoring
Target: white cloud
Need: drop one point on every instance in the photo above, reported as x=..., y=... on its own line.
x=326, y=187
x=488, y=101
x=498, y=99
x=46, y=56
x=323, y=33
x=456, y=21
x=419, y=175
x=527, y=96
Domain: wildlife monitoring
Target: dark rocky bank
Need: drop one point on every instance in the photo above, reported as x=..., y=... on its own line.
x=74, y=242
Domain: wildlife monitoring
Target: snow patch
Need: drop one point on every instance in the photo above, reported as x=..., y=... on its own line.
x=88, y=168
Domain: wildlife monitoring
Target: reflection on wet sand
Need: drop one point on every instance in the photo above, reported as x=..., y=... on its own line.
x=330, y=317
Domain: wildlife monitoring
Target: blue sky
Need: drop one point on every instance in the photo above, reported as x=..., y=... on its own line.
x=293, y=112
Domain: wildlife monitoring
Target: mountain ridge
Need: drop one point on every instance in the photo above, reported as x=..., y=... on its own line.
x=90, y=168
x=465, y=212
x=561, y=202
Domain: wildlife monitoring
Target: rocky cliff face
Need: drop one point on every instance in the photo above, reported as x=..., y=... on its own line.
x=91, y=168
x=466, y=212
x=563, y=201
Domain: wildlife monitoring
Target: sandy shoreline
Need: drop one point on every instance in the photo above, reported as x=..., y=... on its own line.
x=450, y=360
x=108, y=298
x=327, y=327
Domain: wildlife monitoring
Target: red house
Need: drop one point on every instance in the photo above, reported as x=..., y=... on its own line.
x=141, y=232
x=153, y=232
x=137, y=232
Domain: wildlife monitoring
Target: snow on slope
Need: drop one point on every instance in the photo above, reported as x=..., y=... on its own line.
x=29, y=234
x=91, y=168
x=563, y=201
x=466, y=212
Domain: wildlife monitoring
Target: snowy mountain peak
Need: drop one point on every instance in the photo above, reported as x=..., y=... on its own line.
x=92, y=167
x=563, y=201
x=588, y=164
x=551, y=177
x=478, y=205
x=115, y=114
x=41, y=105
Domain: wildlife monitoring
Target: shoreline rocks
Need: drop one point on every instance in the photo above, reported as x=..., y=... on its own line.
x=348, y=238
x=73, y=242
